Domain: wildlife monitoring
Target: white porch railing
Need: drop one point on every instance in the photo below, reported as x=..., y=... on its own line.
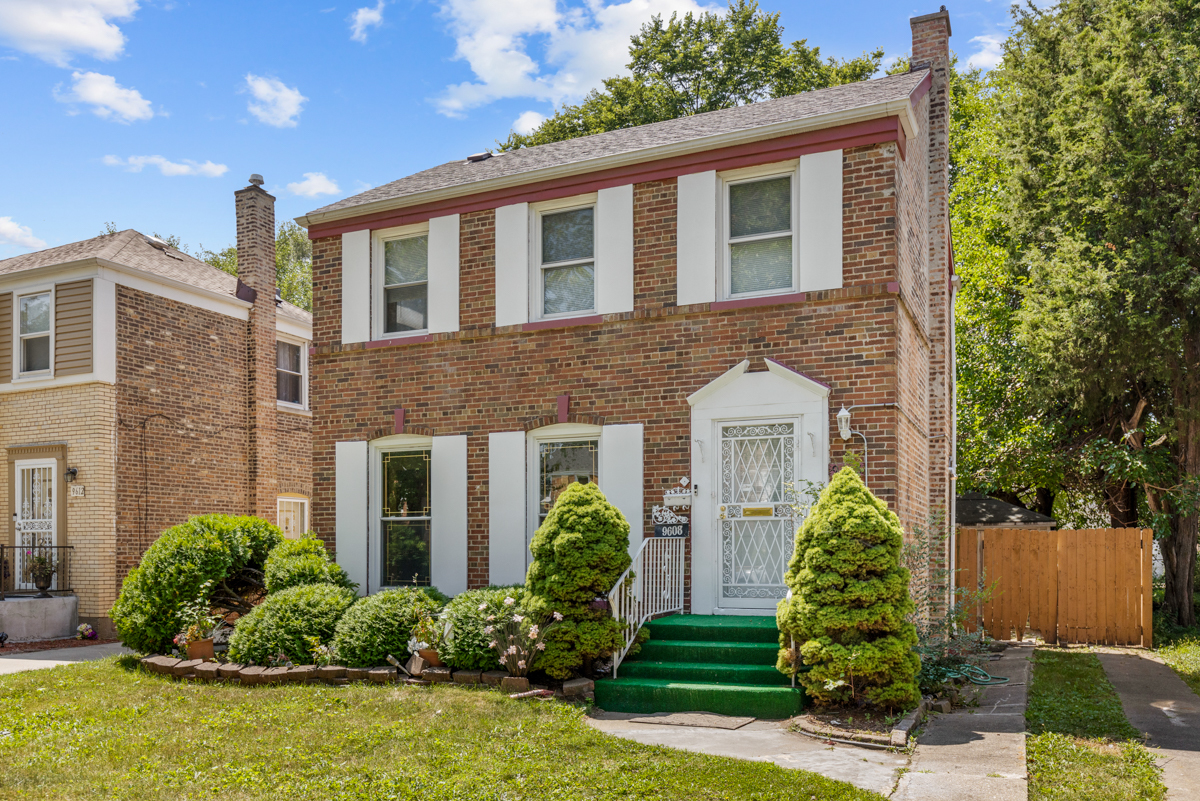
x=652, y=586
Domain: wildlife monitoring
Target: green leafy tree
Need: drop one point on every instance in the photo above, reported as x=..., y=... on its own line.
x=1101, y=130
x=700, y=63
x=849, y=601
x=579, y=552
x=293, y=263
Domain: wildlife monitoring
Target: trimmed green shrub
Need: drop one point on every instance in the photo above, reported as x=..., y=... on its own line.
x=381, y=624
x=230, y=552
x=282, y=623
x=468, y=612
x=303, y=561
x=849, y=601
x=579, y=552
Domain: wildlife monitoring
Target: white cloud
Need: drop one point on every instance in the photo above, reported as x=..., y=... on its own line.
x=168, y=168
x=53, y=30
x=278, y=104
x=12, y=233
x=313, y=185
x=991, y=51
x=527, y=122
x=364, y=18
x=582, y=46
x=107, y=98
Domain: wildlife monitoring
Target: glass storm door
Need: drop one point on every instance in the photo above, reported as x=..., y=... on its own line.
x=754, y=513
x=34, y=514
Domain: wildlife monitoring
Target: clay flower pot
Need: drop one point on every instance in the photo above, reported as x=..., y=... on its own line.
x=430, y=656
x=200, y=649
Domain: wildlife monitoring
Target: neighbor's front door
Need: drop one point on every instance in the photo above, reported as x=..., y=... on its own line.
x=34, y=514
x=754, y=515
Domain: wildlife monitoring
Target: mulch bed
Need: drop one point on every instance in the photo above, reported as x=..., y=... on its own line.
x=865, y=721
x=47, y=645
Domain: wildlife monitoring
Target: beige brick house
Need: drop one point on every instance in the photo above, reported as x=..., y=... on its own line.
x=140, y=386
x=696, y=299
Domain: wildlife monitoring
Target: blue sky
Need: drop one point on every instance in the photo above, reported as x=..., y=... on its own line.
x=149, y=114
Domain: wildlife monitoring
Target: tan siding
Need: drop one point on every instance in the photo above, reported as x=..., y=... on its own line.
x=73, y=328
x=6, y=340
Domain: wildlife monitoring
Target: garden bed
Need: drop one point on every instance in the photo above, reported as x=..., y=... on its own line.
x=49, y=645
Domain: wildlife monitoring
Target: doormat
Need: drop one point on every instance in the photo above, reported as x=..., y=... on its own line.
x=706, y=720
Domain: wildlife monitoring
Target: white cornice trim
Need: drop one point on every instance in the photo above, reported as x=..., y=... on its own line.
x=891, y=108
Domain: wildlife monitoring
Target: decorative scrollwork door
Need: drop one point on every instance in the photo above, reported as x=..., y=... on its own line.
x=35, y=516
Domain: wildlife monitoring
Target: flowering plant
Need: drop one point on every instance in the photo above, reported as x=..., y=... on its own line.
x=322, y=655
x=279, y=660
x=84, y=631
x=429, y=633
x=39, y=567
x=196, y=619
x=518, y=639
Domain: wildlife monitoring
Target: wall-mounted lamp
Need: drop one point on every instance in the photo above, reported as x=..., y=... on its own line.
x=843, y=418
x=70, y=473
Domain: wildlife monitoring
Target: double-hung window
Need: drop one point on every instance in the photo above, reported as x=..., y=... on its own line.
x=406, y=284
x=405, y=519
x=566, y=260
x=561, y=464
x=289, y=373
x=34, y=333
x=760, y=253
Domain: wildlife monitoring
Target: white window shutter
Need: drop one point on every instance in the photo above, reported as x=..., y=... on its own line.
x=696, y=238
x=443, y=274
x=350, y=510
x=820, y=235
x=448, y=497
x=512, y=264
x=356, y=286
x=506, y=507
x=614, y=250
x=621, y=475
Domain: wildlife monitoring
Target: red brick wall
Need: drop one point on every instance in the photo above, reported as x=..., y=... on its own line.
x=294, y=433
x=654, y=234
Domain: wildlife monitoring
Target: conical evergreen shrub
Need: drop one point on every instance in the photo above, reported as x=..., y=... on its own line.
x=579, y=552
x=849, y=602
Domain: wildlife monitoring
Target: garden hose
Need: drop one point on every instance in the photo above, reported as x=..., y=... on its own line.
x=975, y=675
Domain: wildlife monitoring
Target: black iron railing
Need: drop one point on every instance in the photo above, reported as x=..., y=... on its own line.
x=35, y=569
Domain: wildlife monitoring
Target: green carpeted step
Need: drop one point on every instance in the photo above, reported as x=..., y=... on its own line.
x=715, y=628
x=694, y=672
x=662, y=695
x=721, y=653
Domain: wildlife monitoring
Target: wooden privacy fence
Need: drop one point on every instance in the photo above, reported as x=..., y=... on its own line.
x=1084, y=586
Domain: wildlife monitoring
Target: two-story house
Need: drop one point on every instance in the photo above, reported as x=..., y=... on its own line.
x=140, y=386
x=699, y=298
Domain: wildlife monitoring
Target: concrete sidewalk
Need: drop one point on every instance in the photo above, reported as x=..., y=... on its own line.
x=1158, y=703
x=976, y=754
x=36, y=660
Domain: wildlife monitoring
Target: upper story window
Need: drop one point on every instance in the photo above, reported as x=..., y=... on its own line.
x=566, y=261
x=290, y=373
x=406, y=284
x=35, y=333
x=760, y=256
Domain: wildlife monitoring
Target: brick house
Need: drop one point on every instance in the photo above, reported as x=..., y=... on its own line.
x=140, y=386
x=696, y=298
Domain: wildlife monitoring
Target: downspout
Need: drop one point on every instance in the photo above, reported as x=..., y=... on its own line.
x=955, y=284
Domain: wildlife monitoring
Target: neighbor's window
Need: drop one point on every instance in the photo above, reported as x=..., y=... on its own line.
x=405, y=284
x=289, y=373
x=561, y=464
x=405, y=519
x=568, y=268
x=760, y=236
x=293, y=516
x=35, y=333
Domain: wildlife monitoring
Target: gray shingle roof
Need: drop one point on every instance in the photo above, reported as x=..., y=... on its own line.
x=643, y=137
x=131, y=249
x=977, y=509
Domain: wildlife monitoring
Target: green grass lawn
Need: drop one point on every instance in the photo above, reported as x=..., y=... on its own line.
x=108, y=730
x=1081, y=747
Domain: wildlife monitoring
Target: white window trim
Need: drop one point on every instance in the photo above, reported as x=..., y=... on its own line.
x=18, y=350
x=379, y=239
x=781, y=169
x=396, y=442
x=536, y=268
x=303, y=404
x=294, y=498
x=559, y=432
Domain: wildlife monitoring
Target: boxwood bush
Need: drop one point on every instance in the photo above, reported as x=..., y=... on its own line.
x=303, y=561
x=468, y=612
x=381, y=624
x=282, y=623
x=230, y=552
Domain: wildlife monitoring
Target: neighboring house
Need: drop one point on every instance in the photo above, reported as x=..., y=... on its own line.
x=976, y=510
x=695, y=298
x=140, y=386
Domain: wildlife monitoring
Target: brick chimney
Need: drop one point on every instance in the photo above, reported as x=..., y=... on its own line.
x=256, y=283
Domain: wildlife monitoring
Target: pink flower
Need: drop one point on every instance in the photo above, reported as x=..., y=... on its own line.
x=541, y=646
x=491, y=618
x=521, y=665
x=482, y=607
x=533, y=631
x=517, y=618
x=488, y=629
x=492, y=644
x=509, y=602
x=512, y=649
x=558, y=615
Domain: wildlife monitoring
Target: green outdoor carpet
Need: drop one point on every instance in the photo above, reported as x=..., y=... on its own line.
x=704, y=663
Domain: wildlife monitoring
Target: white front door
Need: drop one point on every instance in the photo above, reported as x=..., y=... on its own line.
x=754, y=515
x=35, y=515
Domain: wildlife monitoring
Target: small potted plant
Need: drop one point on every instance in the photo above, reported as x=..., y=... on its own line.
x=40, y=569
x=198, y=622
x=84, y=631
x=428, y=636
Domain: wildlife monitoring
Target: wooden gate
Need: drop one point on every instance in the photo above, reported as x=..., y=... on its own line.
x=1074, y=586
